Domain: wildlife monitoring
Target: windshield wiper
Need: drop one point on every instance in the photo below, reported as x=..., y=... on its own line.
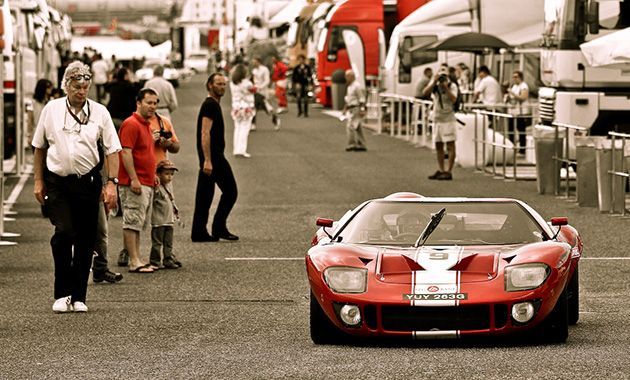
x=430, y=227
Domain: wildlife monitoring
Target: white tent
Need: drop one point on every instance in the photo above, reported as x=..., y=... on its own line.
x=611, y=51
x=122, y=49
x=287, y=14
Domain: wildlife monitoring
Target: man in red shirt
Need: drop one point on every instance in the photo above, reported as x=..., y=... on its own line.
x=137, y=176
x=279, y=77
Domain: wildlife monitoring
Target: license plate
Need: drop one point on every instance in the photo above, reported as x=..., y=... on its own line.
x=436, y=297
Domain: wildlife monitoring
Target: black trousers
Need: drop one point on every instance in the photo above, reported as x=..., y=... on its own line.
x=301, y=96
x=72, y=207
x=223, y=177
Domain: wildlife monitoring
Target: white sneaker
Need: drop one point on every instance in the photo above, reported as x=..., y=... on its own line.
x=62, y=305
x=80, y=307
x=253, y=128
x=247, y=155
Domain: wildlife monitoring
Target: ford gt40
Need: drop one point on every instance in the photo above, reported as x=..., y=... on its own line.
x=437, y=268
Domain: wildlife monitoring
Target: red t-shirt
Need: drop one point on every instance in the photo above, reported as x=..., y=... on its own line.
x=135, y=134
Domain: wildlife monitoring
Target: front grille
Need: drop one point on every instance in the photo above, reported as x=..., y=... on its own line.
x=500, y=315
x=370, y=316
x=419, y=318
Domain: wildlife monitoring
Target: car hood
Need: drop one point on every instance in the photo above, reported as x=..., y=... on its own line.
x=469, y=264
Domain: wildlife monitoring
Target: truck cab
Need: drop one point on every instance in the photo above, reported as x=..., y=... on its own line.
x=577, y=93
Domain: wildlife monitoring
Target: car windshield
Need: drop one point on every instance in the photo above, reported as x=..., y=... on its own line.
x=465, y=223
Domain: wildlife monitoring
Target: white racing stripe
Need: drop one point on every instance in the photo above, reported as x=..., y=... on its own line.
x=436, y=278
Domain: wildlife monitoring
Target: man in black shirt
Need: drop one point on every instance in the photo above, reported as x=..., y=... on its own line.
x=213, y=167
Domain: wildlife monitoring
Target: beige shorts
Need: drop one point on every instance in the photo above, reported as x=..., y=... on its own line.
x=444, y=131
x=136, y=207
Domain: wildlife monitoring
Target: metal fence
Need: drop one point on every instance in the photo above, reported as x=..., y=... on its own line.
x=621, y=172
x=561, y=156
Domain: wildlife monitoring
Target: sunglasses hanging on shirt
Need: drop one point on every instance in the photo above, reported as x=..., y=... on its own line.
x=82, y=121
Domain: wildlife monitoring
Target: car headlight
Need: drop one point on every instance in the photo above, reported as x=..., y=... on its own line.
x=525, y=276
x=346, y=279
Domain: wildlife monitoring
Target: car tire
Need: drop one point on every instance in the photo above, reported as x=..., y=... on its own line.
x=574, y=297
x=323, y=331
x=555, y=328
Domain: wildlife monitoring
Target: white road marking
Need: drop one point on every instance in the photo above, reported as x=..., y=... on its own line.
x=263, y=258
x=19, y=186
x=604, y=258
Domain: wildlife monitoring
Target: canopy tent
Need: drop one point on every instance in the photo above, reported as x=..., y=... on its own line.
x=611, y=51
x=123, y=49
x=471, y=43
x=287, y=14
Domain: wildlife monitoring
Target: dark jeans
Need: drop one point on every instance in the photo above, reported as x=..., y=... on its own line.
x=161, y=242
x=521, y=124
x=223, y=177
x=301, y=95
x=100, y=247
x=72, y=207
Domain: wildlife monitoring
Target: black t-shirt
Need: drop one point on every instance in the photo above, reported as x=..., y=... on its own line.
x=212, y=110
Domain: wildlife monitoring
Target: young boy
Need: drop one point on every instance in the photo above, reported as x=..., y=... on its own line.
x=163, y=218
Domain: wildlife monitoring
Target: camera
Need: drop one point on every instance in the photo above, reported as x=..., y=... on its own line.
x=166, y=134
x=442, y=78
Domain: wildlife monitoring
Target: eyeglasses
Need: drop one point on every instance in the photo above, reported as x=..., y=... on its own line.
x=81, y=77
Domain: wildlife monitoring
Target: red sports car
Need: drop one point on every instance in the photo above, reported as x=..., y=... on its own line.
x=434, y=268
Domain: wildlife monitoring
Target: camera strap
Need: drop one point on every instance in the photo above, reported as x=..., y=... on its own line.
x=160, y=122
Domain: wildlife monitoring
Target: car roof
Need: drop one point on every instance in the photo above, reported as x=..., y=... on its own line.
x=414, y=197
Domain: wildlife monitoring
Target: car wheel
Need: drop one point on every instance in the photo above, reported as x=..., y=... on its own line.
x=574, y=297
x=555, y=328
x=322, y=330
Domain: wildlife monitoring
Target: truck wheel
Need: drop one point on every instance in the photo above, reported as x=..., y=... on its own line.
x=323, y=331
x=555, y=328
x=574, y=297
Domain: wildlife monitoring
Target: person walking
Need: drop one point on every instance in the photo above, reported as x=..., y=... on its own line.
x=302, y=79
x=444, y=93
x=165, y=90
x=355, y=107
x=279, y=78
x=68, y=183
x=261, y=80
x=214, y=168
x=137, y=176
x=243, y=109
x=41, y=96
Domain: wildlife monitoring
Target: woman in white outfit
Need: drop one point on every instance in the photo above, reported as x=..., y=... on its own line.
x=243, y=111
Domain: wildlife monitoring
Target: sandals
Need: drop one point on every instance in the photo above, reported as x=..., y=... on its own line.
x=142, y=269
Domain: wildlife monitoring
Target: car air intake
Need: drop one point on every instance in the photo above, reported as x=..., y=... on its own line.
x=419, y=318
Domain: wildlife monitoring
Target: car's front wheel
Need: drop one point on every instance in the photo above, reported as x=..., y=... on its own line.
x=555, y=328
x=322, y=330
x=574, y=297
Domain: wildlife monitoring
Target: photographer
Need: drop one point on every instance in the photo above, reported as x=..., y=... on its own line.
x=164, y=136
x=444, y=94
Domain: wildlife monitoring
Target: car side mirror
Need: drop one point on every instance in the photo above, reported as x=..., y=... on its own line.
x=324, y=222
x=559, y=221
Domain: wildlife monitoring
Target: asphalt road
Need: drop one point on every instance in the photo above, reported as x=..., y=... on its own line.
x=226, y=315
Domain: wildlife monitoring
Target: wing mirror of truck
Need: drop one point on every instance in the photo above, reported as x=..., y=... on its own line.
x=592, y=17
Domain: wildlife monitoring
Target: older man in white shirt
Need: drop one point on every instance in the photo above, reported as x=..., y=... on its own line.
x=73, y=137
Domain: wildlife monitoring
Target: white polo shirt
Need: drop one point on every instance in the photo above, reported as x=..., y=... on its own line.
x=261, y=76
x=490, y=90
x=72, y=147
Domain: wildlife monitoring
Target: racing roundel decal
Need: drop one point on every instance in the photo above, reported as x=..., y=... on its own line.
x=433, y=288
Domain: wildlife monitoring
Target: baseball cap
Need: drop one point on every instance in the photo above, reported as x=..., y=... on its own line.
x=165, y=165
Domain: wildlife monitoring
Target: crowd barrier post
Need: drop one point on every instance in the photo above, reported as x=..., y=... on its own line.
x=619, y=172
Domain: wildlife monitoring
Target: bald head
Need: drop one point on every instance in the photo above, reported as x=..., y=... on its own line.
x=349, y=76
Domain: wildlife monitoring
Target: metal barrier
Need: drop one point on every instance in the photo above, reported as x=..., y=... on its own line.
x=499, y=122
x=411, y=113
x=563, y=158
x=621, y=172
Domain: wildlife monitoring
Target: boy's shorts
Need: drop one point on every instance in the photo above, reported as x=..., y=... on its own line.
x=136, y=207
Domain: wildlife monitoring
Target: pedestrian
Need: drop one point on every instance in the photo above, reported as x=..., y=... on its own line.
x=517, y=99
x=302, y=80
x=100, y=68
x=122, y=97
x=164, y=136
x=243, y=108
x=166, y=91
x=137, y=176
x=163, y=218
x=261, y=80
x=214, y=168
x=68, y=183
x=422, y=83
x=41, y=96
x=279, y=78
x=444, y=93
x=100, y=266
x=354, y=106
x=463, y=76
x=487, y=89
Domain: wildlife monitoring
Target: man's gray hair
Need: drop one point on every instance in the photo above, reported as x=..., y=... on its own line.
x=73, y=70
